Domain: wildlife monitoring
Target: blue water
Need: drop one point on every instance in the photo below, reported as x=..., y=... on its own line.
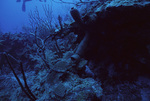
x=12, y=18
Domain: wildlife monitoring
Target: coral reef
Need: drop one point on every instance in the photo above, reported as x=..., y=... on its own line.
x=110, y=43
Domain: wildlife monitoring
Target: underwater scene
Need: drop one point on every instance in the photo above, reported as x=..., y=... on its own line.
x=74, y=50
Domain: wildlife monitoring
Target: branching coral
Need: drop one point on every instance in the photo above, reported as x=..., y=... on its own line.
x=27, y=90
x=42, y=24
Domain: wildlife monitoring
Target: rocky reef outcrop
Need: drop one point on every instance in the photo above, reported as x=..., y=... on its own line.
x=118, y=33
x=118, y=42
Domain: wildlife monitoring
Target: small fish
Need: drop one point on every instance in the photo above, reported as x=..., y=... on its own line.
x=42, y=0
x=18, y=1
x=23, y=4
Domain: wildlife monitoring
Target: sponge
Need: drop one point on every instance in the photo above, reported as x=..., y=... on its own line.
x=76, y=15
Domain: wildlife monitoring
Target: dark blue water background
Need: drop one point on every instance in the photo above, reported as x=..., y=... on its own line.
x=12, y=18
